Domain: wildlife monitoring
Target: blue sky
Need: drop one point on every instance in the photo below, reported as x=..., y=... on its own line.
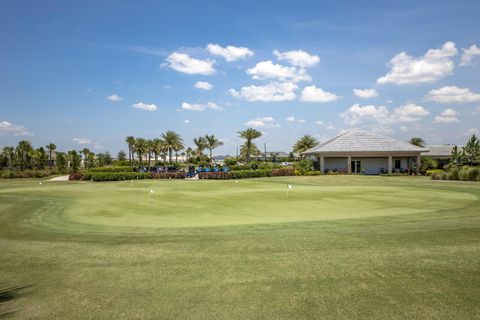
x=89, y=73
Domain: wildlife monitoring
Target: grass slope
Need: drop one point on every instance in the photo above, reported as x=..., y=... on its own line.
x=343, y=247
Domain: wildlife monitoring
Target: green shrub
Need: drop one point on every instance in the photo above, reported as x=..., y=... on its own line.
x=230, y=161
x=112, y=169
x=312, y=173
x=12, y=174
x=214, y=175
x=115, y=176
x=283, y=172
x=473, y=174
x=433, y=171
x=303, y=166
x=250, y=174
x=168, y=175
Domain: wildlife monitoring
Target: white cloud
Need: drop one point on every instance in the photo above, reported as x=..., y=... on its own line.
x=314, y=94
x=114, y=97
x=186, y=121
x=469, y=54
x=453, y=94
x=83, y=140
x=200, y=106
x=365, y=93
x=229, y=53
x=372, y=114
x=182, y=62
x=447, y=116
x=265, y=122
x=434, y=65
x=290, y=119
x=269, y=70
x=274, y=91
x=298, y=58
x=15, y=129
x=203, y=85
x=145, y=106
x=331, y=127
x=319, y=122
x=408, y=113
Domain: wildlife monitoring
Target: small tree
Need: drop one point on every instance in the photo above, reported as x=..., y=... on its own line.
x=121, y=156
x=472, y=150
x=457, y=156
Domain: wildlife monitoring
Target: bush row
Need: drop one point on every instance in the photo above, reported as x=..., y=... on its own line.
x=115, y=176
x=242, y=174
x=7, y=174
x=167, y=175
x=111, y=169
x=214, y=175
x=283, y=172
x=465, y=173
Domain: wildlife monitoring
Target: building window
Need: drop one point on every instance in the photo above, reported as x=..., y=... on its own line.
x=397, y=164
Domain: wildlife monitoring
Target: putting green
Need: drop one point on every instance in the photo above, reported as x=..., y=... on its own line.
x=112, y=207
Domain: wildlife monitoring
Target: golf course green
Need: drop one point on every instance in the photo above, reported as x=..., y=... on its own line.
x=331, y=247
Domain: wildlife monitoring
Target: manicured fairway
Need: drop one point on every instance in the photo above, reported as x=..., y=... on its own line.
x=339, y=247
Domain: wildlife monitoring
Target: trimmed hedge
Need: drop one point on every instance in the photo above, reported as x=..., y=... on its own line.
x=250, y=174
x=115, y=176
x=167, y=175
x=111, y=169
x=283, y=172
x=13, y=174
x=214, y=175
x=312, y=173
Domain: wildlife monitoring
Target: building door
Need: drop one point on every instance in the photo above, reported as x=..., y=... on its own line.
x=356, y=166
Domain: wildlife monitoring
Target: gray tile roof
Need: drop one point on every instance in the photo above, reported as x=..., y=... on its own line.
x=359, y=140
x=444, y=150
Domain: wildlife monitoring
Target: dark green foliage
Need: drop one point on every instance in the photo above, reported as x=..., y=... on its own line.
x=465, y=173
x=283, y=172
x=303, y=166
x=10, y=174
x=230, y=161
x=112, y=169
x=115, y=176
x=167, y=175
x=251, y=174
x=214, y=175
x=427, y=164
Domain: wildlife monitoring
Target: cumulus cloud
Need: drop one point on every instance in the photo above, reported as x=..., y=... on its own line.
x=357, y=114
x=274, y=91
x=365, y=93
x=186, y=121
x=453, y=94
x=82, y=140
x=447, y=116
x=469, y=54
x=292, y=119
x=15, y=129
x=200, y=106
x=314, y=94
x=265, y=122
x=229, y=53
x=298, y=58
x=434, y=65
x=182, y=62
x=203, y=85
x=114, y=97
x=145, y=106
x=408, y=113
x=319, y=122
x=269, y=70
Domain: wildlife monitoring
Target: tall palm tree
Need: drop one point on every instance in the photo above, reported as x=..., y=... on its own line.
x=304, y=143
x=130, y=140
x=189, y=153
x=172, y=141
x=201, y=144
x=85, y=152
x=9, y=153
x=51, y=147
x=417, y=141
x=157, y=147
x=149, y=146
x=212, y=143
x=141, y=148
x=24, y=152
x=249, y=147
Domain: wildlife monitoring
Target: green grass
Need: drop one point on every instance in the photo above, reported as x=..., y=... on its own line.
x=339, y=247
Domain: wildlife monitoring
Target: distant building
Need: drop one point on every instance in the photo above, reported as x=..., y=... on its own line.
x=361, y=151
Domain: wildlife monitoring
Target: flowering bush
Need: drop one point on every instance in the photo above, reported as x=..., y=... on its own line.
x=76, y=176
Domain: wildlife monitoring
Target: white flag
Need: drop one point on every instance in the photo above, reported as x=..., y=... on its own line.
x=289, y=186
x=151, y=191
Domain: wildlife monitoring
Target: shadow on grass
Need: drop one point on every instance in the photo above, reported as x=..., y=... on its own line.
x=8, y=294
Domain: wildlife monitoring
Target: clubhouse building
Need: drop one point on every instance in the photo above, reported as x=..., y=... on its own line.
x=361, y=151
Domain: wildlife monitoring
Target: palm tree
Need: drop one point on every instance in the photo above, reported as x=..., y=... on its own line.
x=149, y=145
x=51, y=147
x=9, y=153
x=157, y=147
x=212, y=143
x=417, y=141
x=249, y=148
x=201, y=144
x=189, y=153
x=472, y=149
x=85, y=152
x=130, y=140
x=141, y=148
x=304, y=143
x=24, y=152
x=172, y=141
